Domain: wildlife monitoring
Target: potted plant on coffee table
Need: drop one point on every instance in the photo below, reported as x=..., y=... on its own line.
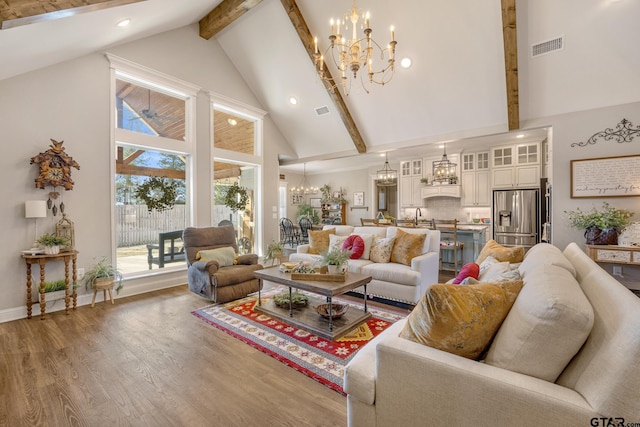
x=335, y=260
x=52, y=242
x=602, y=226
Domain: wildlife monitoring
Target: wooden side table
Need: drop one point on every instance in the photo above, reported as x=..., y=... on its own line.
x=42, y=260
x=629, y=255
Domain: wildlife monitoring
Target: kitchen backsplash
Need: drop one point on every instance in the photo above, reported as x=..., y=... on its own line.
x=448, y=208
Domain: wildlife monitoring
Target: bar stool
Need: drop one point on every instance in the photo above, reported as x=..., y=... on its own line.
x=453, y=247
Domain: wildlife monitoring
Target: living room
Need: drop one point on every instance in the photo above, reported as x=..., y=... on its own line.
x=68, y=98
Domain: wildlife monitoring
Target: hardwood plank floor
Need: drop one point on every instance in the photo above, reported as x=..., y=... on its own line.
x=147, y=361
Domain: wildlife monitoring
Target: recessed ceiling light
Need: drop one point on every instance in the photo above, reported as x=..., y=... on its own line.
x=293, y=100
x=520, y=135
x=124, y=23
x=232, y=122
x=405, y=62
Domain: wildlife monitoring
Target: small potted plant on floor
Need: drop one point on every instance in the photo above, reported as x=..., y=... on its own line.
x=603, y=226
x=274, y=252
x=52, y=242
x=101, y=274
x=335, y=260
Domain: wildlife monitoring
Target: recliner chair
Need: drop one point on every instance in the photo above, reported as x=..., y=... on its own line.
x=207, y=278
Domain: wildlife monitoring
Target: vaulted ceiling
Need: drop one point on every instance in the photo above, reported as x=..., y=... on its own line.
x=455, y=90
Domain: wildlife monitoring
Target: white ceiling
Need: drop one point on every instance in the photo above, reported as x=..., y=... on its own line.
x=454, y=91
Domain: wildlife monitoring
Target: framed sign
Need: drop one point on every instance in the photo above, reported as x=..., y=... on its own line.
x=297, y=199
x=605, y=177
x=315, y=202
x=358, y=198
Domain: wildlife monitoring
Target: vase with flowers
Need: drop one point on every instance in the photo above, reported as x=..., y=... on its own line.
x=602, y=226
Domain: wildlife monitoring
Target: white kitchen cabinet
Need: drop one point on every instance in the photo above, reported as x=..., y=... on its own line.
x=409, y=187
x=411, y=168
x=516, y=166
x=446, y=190
x=475, y=189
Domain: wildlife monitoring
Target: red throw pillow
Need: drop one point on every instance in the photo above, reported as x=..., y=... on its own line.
x=355, y=244
x=468, y=270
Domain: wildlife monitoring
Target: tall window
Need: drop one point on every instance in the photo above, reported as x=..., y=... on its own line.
x=152, y=127
x=237, y=161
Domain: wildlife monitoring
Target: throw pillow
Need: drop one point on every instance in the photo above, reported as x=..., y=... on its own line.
x=368, y=241
x=501, y=253
x=225, y=256
x=460, y=319
x=355, y=244
x=319, y=240
x=336, y=242
x=470, y=269
x=406, y=247
x=546, y=327
x=381, y=249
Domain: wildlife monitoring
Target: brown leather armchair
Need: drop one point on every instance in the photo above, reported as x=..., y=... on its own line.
x=207, y=278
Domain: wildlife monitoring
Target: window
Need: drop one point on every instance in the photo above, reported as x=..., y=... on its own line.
x=152, y=124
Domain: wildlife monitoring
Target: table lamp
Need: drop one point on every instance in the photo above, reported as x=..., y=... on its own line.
x=35, y=209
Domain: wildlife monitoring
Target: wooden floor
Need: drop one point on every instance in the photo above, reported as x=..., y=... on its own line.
x=147, y=361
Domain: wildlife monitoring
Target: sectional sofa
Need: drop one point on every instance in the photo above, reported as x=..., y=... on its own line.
x=391, y=280
x=567, y=353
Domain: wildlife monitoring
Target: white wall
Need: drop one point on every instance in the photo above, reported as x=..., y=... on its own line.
x=70, y=101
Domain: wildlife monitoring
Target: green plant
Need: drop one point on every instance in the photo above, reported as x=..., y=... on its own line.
x=335, y=257
x=50, y=239
x=424, y=180
x=236, y=197
x=273, y=249
x=605, y=218
x=296, y=299
x=157, y=193
x=56, y=285
x=103, y=269
x=305, y=210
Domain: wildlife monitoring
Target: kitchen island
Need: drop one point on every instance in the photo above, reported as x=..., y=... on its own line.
x=472, y=235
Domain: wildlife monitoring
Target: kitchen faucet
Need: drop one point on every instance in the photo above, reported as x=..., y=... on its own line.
x=418, y=212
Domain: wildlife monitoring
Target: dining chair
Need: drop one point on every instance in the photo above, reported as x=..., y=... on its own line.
x=305, y=225
x=406, y=222
x=288, y=233
x=450, y=246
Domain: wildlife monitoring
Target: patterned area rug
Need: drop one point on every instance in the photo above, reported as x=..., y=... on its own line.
x=314, y=356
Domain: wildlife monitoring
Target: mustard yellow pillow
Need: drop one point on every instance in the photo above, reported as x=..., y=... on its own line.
x=501, y=253
x=225, y=256
x=406, y=247
x=319, y=240
x=461, y=319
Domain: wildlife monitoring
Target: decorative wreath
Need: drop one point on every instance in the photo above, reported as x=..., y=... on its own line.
x=157, y=193
x=236, y=197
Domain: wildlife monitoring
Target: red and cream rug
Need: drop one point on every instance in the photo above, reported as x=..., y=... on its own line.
x=314, y=356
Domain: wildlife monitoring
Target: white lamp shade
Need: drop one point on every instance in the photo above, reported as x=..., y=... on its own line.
x=35, y=209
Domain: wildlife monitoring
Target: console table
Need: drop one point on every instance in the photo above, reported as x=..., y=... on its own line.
x=42, y=260
x=629, y=255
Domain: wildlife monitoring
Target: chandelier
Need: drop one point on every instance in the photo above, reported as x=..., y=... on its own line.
x=303, y=189
x=444, y=170
x=350, y=55
x=386, y=176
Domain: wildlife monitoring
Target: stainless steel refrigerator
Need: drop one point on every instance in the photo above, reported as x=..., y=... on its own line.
x=516, y=219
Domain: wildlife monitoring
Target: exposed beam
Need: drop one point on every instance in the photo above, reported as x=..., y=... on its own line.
x=223, y=15
x=22, y=12
x=306, y=38
x=511, y=61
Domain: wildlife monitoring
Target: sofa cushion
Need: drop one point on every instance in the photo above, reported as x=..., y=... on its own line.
x=357, y=265
x=336, y=242
x=340, y=230
x=491, y=270
x=406, y=247
x=368, y=241
x=470, y=269
x=460, y=319
x=319, y=240
x=381, y=249
x=225, y=256
x=355, y=244
x=546, y=327
x=501, y=253
x=544, y=254
x=392, y=232
x=392, y=273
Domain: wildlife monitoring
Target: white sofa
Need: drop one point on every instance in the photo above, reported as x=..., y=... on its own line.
x=389, y=280
x=397, y=382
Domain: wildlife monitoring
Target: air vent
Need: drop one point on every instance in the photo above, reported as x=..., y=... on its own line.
x=548, y=46
x=321, y=111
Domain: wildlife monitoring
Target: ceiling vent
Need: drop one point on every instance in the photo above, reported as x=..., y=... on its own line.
x=548, y=46
x=321, y=111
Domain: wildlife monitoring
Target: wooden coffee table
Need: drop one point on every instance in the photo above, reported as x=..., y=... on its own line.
x=306, y=317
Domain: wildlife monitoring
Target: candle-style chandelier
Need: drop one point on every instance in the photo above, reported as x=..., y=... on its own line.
x=352, y=55
x=444, y=170
x=303, y=189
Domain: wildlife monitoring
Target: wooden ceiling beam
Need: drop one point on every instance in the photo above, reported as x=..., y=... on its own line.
x=510, y=39
x=306, y=38
x=223, y=15
x=22, y=12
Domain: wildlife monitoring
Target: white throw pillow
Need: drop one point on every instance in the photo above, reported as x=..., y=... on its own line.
x=335, y=242
x=544, y=254
x=547, y=325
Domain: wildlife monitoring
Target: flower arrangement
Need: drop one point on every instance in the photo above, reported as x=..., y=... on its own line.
x=605, y=218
